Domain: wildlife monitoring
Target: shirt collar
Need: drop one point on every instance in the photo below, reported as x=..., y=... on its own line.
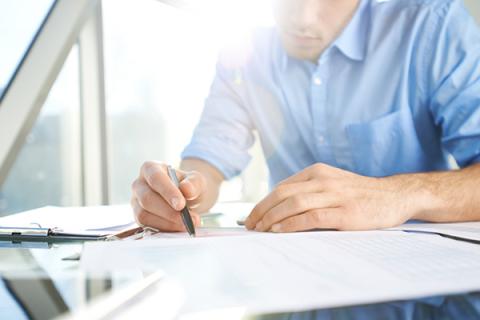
x=352, y=42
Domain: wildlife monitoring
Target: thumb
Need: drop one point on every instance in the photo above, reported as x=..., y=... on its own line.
x=193, y=185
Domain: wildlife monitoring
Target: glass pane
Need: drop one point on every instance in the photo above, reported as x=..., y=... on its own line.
x=47, y=169
x=159, y=68
x=19, y=23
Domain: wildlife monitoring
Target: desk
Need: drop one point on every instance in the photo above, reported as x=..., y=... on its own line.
x=37, y=283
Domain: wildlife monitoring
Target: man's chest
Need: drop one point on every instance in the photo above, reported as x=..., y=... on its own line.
x=347, y=115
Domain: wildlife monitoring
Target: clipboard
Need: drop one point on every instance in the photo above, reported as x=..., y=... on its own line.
x=54, y=235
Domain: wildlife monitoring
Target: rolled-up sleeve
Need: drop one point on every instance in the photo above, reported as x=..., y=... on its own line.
x=225, y=131
x=453, y=79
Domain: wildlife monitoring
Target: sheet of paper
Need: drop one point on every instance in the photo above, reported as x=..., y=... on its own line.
x=464, y=230
x=201, y=232
x=292, y=272
x=101, y=218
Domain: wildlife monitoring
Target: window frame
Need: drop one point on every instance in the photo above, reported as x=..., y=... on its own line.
x=36, y=75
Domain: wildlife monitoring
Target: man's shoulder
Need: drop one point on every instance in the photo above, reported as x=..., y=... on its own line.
x=440, y=7
x=418, y=17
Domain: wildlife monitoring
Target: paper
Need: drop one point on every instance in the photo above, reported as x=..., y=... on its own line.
x=201, y=233
x=268, y=273
x=463, y=230
x=102, y=218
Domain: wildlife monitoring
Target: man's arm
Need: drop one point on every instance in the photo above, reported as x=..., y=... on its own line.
x=218, y=151
x=324, y=197
x=450, y=196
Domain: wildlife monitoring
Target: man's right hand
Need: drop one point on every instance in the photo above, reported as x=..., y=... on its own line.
x=157, y=202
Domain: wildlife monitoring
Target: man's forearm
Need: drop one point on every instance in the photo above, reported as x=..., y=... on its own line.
x=450, y=196
x=213, y=179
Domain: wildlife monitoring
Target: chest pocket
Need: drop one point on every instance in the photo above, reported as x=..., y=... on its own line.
x=386, y=146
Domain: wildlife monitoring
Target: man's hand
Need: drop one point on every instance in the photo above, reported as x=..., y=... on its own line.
x=324, y=197
x=156, y=201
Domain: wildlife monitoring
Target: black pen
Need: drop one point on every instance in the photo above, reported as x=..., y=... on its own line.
x=186, y=217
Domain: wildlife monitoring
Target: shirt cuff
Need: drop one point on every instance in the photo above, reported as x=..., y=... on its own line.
x=476, y=160
x=229, y=167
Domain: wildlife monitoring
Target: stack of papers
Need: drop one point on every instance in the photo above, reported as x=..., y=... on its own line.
x=269, y=273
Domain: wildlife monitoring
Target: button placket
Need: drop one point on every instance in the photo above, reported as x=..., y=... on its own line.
x=319, y=105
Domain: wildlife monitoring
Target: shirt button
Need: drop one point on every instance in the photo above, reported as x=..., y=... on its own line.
x=321, y=139
x=317, y=81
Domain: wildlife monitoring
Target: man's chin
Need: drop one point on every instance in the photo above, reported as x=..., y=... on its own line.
x=303, y=54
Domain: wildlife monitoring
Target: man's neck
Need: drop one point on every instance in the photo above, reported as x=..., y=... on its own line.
x=345, y=20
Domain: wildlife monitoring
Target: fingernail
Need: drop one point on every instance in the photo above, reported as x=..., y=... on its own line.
x=259, y=226
x=176, y=204
x=276, y=227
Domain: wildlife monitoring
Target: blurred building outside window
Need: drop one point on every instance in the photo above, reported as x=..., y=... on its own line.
x=47, y=169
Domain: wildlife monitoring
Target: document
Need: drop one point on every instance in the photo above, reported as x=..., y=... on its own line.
x=461, y=230
x=269, y=273
x=100, y=218
x=201, y=232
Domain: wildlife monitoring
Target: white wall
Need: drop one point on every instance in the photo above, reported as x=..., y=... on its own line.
x=474, y=6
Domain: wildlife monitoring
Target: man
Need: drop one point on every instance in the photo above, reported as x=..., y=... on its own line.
x=359, y=104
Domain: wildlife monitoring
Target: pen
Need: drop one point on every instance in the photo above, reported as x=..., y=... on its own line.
x=186, y=217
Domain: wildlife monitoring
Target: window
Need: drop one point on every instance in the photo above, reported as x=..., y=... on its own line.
x=47, y=169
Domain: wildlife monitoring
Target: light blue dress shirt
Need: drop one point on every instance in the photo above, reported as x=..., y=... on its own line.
x=397, y=92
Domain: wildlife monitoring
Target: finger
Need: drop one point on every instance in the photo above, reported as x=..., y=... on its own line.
x=278, y=195
x=295, y=205
x=192, y=187
x=145, y=218
x=156, y=175
x=315, y=219
x=154, y=203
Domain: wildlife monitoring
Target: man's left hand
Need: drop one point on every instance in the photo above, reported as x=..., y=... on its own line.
x=324, y=197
